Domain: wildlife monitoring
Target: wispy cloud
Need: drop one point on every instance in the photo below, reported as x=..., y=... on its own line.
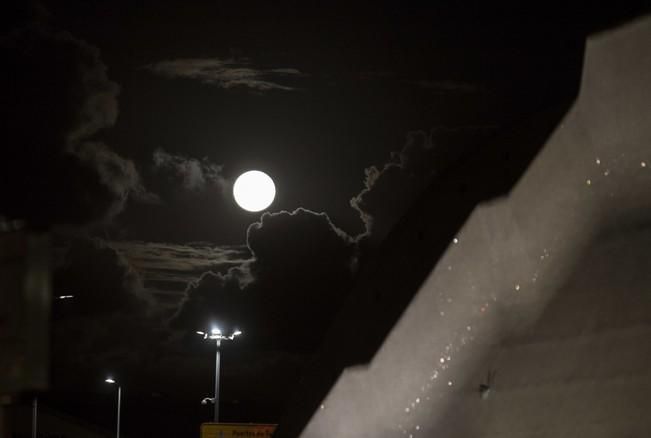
x=227, y=73
x=194, y=173
x=82, y=181
x=170, y=267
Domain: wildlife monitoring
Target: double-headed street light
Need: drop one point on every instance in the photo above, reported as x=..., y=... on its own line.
x=113, y=382
x=216, y=335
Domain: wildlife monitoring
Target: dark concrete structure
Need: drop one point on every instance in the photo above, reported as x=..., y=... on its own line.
x=51, y=424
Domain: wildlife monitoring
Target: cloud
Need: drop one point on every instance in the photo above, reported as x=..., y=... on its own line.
x=288, y=292
x=111, y=323
x=215, y=298
x=117, y=174
x=189, y=190
x=57, y=99
x=438, y=86
x=227, y=73
x=101, y=280
x=390, y=189
x=167, y=268
x=301, y=231
x=448, y=86
x=193, y=173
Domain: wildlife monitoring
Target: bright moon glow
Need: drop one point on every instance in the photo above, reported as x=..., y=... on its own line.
x=254, y=190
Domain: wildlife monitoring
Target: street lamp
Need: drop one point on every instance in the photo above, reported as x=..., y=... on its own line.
x=65, y=297
x=216, y=335
x=113, y=382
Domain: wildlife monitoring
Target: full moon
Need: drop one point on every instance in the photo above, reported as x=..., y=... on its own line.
x=254, y=190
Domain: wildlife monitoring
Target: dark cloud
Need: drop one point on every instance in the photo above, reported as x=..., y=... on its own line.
x=189, y=191
x=215, y=299
x=86, y=347
x=227, y=73
x=390, y=189
x=167, y=268
x=288, y=292
x=303, y=232
x=444, y=87
x=193, y=173
x=101, y=280
x=438, y=86
x=57, y=99
x=117, y=174
x=109, y=325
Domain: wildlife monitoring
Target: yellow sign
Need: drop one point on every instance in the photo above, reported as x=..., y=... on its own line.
x=237, y=430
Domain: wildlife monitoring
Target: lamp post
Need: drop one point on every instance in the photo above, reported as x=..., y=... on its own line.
x=34, y=417
x=216, y=335
x=113, y=382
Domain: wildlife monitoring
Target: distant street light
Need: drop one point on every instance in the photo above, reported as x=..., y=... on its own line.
x=65, y=297
x=113, y=382
x=216, y=335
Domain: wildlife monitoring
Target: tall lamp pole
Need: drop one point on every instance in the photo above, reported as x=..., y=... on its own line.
x=113, y=382
x=34, y=417
x=216, y=335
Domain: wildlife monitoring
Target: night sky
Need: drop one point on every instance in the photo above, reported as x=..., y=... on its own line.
x=126, y=124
